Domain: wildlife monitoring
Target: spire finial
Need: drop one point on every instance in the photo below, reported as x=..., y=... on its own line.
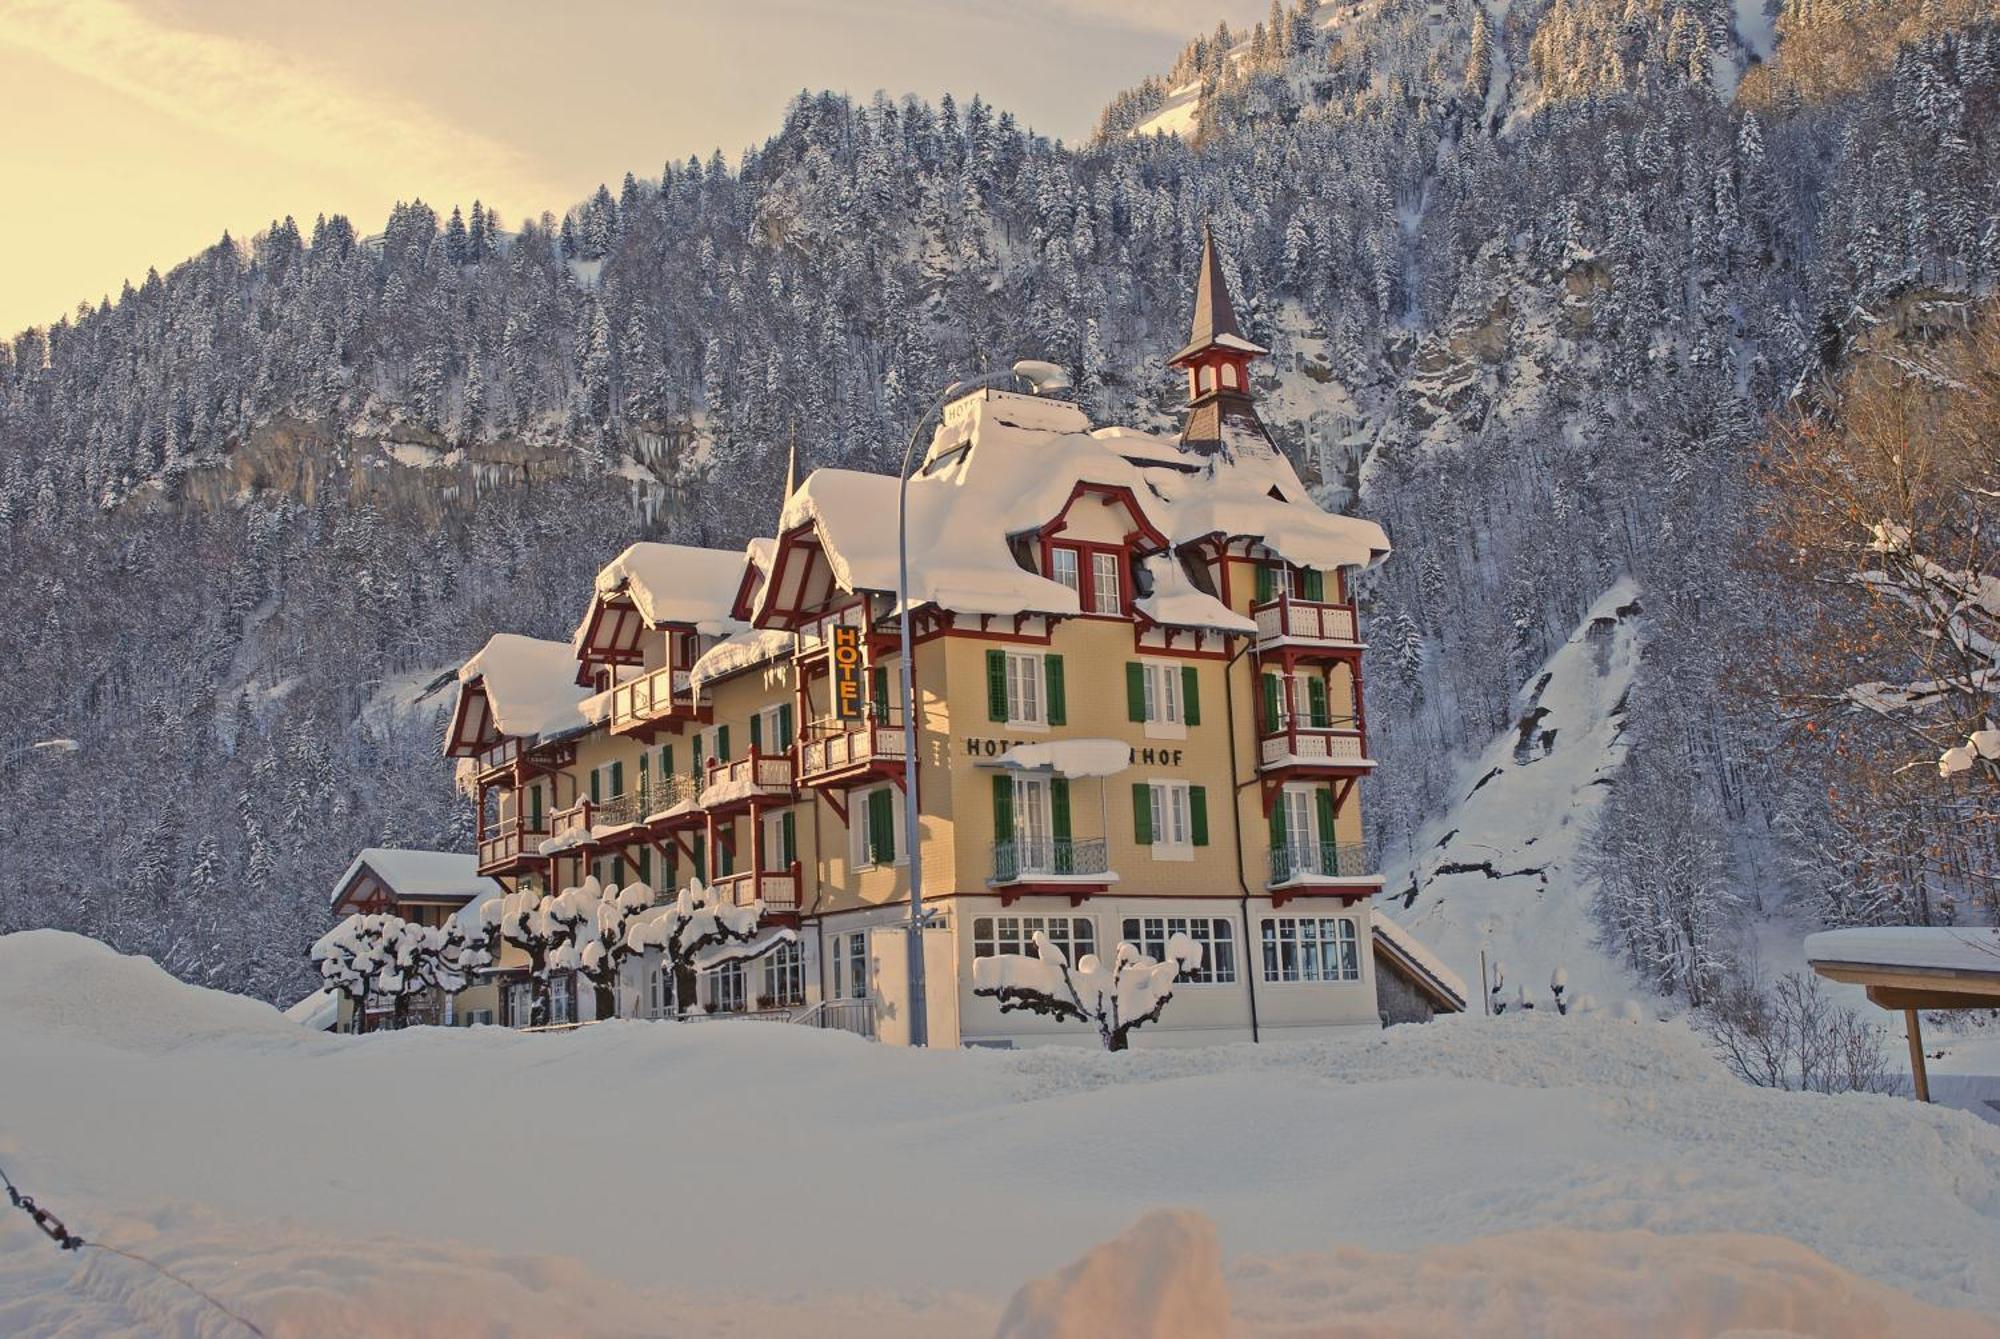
x=792, y=463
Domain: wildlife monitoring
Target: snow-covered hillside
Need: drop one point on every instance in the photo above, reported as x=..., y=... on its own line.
x=1500, y=871
x=712, y=1179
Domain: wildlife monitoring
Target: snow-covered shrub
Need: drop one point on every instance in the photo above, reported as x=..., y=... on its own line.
x=1558, y=988
x=698, y=930
x=525, y=919
x=1793, y=1036
x=597, y=918
x=1126, y=994
x=1494, y=998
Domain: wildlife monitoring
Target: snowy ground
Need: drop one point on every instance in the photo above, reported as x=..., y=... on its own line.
x=1517, y=1175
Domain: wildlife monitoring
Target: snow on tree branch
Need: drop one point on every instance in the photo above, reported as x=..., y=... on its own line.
x=1117, y=998
x=699, y=930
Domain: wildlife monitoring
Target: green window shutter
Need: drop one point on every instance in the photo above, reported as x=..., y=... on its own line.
x=1059, y=807
x=1266, y=586
x=645, y=771
x=535, y=806
x=701, y=862
x=646, y=865
x=1316, y=701
x=694, y=758
x=1198, y=814
x=1190, y=695
x=1314, y=585
x=996, y=686
x=666, y=761
x=1323, y=803
x=784, y=725
x=725, y=856
x=1270, y=704
x=881, y=828
x=596, y=784
x=1135, y=691
x=618, y=871
x=1003, y=808
x=1277, y=821
x=1058, y=709
x=757, y=732
x=878, y=691
x=617, y=779
x=722, y=743
x=1142, y=813
x=788, y=842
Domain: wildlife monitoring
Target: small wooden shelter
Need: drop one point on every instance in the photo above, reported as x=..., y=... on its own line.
x=1913, y=968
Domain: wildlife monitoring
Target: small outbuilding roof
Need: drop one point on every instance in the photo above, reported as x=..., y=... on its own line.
x=418, y=876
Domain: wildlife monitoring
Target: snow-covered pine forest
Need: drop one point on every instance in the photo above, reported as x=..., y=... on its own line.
x=1536, y=274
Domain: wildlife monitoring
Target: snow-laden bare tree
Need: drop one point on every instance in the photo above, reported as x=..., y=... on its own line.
x=1117, y=997
x=455, y=955
x=525, y=918
x=698, y=930
x=597, y=918
x=375, y=956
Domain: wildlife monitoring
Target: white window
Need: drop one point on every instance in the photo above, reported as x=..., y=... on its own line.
x=725, y=988
x=1024, y=688
x=561, y=989
x=1302, y=834
x=995, y=935
x=1166, y=713
x=1217, y=937
x=850, y=966
x=784, y=972
x=1062, y=568
x=1173, y=829
x=1106, y=593
x=1311, y=948
x=660, y=990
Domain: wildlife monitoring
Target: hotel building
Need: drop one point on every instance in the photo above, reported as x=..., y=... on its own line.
x=1139, y=711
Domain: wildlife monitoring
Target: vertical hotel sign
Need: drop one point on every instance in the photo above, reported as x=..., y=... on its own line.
x=847, y=680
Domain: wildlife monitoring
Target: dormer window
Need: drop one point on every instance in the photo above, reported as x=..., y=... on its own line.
x=1095, y=572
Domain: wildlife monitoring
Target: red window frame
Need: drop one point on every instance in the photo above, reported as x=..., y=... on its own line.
x=1086, y=574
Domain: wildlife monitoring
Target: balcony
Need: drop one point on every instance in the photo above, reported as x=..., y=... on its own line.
x=815, y=635
x=778, y=889
x=641, y=706
x=1052, y=860
x=1297, y=743
x=498, y=759
x=515, y=839
x=740, y=781
x=1304, y=625
x=1340, y=867
x=671, y=801
x=835, y=751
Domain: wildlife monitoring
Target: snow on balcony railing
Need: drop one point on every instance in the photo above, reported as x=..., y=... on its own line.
x=1305, y=621
x=757, y=773
x=1049, y=857
x=777, y=889
x=1297, y=738
x=838, y=746
x=1297, y=861
x=650, y=697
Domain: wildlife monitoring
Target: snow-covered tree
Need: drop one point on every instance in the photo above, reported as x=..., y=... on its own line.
x=526, y=919
x=455, y=955
x=698, y=930
x=1117, y=997
x=597, y=919
x=374, y=956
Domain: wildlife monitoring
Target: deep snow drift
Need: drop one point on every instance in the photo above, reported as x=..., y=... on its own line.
x=1466, y=1177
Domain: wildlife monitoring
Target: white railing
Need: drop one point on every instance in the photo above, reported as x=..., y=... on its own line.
x=511, y=838
x=764, y=771
x=818, y=632
x=1305, y=621
x=650, y=697
x=857, y=746
x=777, y=889
x=501, y=755
x=1336, y=744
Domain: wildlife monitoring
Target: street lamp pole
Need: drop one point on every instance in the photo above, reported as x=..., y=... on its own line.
x=1043, y=377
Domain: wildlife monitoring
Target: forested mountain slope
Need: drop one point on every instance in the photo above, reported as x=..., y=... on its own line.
x=1533, y=274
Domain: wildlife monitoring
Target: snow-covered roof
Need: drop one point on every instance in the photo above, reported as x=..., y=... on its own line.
x=421, y=875
x=1910, y=948
x=1408, y=947
x=317, y=1012
x=677, y=584
x=752, y=646
x=1175, y=600
x=530, y=685
x=1077, y=758
x=1004, y=464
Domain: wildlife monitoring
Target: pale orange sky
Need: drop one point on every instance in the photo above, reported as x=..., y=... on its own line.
x=143, y=128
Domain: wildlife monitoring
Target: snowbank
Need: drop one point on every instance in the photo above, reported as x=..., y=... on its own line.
x=257, y=1164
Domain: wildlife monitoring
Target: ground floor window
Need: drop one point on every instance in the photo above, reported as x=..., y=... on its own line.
x=995, y=935
x=784, y=977
x=520, y=1004
x=850, y=966
x=726, y=988
x=562, y=995
x=660, y=990
x=1217, y=937
x=1311, y=948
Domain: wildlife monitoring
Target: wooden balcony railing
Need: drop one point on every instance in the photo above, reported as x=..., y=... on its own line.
x=499, y=757
x=778, y=889
x=833, y=747
x=756, y=773
x=655, y=696
x=1297, y=739
x=814, y=635
x=514, y=837
x=1305, y=621
x=572, y=822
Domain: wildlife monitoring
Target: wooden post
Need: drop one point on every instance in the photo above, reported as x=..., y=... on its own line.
x=1918, y=1076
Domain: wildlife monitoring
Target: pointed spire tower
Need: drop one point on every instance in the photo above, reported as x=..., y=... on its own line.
x=1221, y=417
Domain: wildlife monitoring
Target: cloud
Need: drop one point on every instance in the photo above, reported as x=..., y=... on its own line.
x=1179, y=18
x=253, y=95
